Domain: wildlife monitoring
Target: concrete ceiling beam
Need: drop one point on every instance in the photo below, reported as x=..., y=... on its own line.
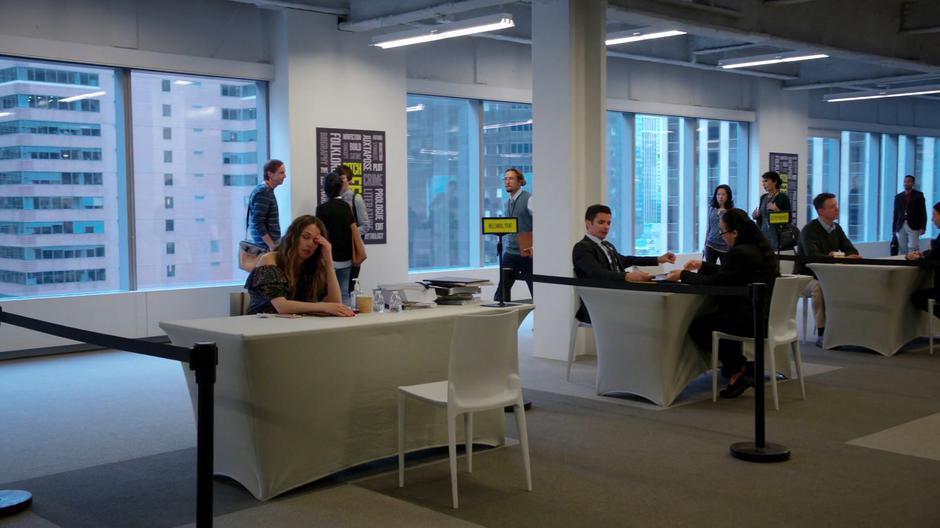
x=409, y=17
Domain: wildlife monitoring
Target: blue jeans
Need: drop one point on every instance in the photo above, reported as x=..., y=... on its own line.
x=342, y=276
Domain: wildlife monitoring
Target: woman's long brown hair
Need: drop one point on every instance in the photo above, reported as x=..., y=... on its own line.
x=308, y=279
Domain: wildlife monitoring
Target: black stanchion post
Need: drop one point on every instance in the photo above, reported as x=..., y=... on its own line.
x=205, y=357
x=502, y=272
x=13, y=501
x=759, y=450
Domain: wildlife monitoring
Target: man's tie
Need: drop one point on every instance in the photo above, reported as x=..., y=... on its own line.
x=612, y=256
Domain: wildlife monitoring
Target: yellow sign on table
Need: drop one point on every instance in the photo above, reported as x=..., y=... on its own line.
x=782, y=217
x=500, y=225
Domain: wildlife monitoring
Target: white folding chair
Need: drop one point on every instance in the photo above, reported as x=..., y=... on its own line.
x=781, y=330
x=483, y=374
x=572, y=346
x=786, y=268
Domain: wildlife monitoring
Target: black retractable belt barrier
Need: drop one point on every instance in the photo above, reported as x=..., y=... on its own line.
x=759, y=450
x=202, y=358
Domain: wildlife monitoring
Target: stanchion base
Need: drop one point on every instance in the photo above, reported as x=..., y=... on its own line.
x=503, y=305
x=751, y=453
x=14, y=501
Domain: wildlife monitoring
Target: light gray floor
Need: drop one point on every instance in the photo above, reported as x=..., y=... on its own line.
x=863, y=445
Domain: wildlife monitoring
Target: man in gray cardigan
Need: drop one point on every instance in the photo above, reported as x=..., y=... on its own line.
x=823, y=237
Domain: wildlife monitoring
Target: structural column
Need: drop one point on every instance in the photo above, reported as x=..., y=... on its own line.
x=569, y=149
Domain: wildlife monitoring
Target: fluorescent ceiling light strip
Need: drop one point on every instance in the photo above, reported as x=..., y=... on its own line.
x=636, y=37
x=459, y=29
x=82, y=96
x=861, y=96
x=772, y=60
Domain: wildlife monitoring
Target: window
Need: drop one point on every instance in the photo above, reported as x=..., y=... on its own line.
x=822, y=169
x=167, y=156
x=859, y=187
x=167, y=133
x=59, y=130
x=507, y=142
x=171, y=248
x=665, y=169
x=170, y=271
x=442, y=163
x=243, y=180
x=217, y=206
x=214, y=246
x=165, y=85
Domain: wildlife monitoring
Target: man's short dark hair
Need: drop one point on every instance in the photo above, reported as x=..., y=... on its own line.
x=272, y=166
x=343, y=169
x=333, y=185
x=820, y=200
x=773, y=176
x=911, y=176
x=595, y=210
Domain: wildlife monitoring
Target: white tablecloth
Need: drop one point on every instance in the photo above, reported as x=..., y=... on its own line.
x=299, y=399
x=870, y=306
x=643, y=345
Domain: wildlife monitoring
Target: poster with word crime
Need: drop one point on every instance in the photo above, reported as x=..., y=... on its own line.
x=363, y=151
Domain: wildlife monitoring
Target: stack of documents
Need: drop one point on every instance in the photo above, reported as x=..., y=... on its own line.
x=457, y=290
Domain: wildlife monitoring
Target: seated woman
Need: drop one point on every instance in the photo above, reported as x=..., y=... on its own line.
x=298, y=276
x=749, y=260
x=919, y=298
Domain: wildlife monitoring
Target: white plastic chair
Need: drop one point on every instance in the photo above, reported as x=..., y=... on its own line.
x=781, y=330
x=575, y=325
x=786, y=268
x=483, y=374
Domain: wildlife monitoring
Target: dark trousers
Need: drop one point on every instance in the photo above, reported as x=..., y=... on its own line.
x=919, y=300
x=513, y=264
x=729, y=352
x=712, y=255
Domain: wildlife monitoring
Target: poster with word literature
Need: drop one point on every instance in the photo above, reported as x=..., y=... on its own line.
x=363, y=151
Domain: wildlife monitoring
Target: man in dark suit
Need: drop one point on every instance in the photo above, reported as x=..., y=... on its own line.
x=596, y=258
x=910, y=217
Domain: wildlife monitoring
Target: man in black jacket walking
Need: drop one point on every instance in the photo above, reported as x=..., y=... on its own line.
x=910, y=217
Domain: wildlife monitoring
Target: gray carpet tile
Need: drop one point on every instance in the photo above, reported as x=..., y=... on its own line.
x=155, y=491
x=597, y=464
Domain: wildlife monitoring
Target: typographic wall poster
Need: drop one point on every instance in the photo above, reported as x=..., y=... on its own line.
x=786, y=166
x=363, y=151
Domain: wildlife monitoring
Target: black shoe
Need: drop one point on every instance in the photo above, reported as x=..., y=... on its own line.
x=733, y=390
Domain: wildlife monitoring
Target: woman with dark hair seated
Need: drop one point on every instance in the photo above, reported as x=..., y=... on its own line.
x=919, y=298
x=749, y=260
x=298, y=276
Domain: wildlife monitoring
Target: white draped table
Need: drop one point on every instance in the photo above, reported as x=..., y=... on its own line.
x=870, y=306
x=299, y=399
x=643, y=343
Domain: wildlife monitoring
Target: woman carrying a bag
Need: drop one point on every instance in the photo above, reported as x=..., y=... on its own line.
x=341, y=228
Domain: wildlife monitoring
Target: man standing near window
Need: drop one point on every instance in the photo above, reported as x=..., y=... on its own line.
x=264, y=227
x=517, y=250
x=910, y=217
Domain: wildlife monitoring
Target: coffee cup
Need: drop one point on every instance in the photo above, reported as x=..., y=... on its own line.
x=364, y=303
